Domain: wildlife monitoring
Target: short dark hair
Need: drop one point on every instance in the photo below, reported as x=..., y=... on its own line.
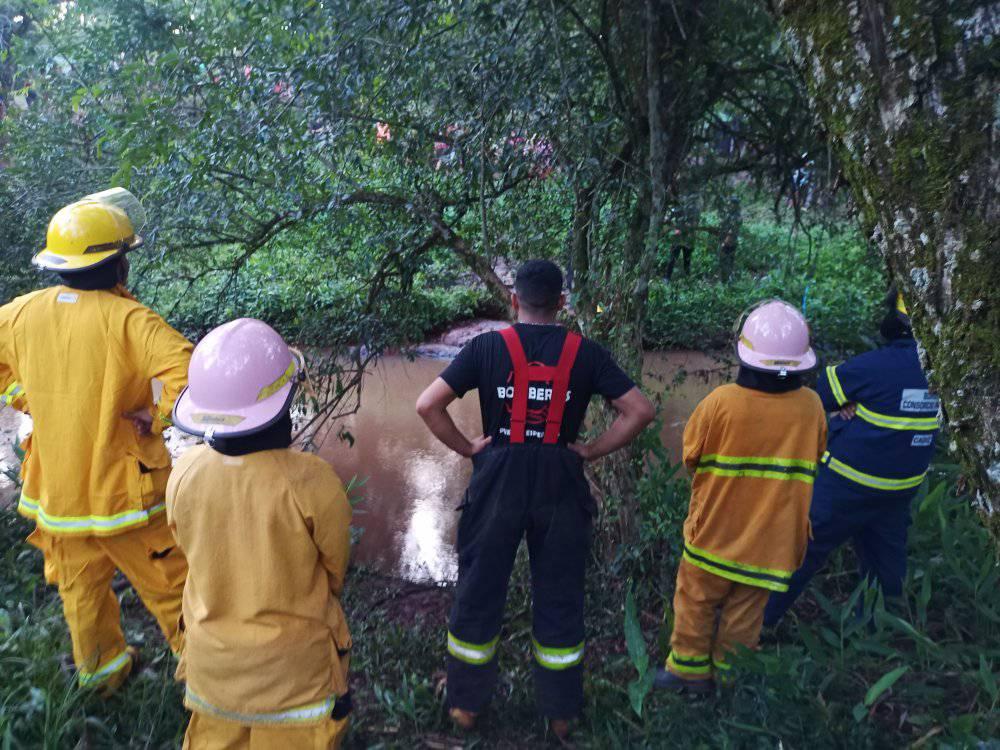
x=539, y=284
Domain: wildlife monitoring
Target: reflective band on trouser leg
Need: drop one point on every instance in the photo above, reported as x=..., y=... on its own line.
x=472, y=653
x=752, y=575
x=312, y=712
x=868, y=480
x=100, y=676
x=692, y=664
x=760, y=467
x=558, y=658
x=95, y=525
x=919, y=424
x=835, y=386
x=560, y=387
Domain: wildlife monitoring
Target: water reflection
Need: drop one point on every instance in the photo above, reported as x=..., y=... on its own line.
x=412, y=483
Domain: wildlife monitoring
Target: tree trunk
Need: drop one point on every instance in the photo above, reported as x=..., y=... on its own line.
x=908, y=93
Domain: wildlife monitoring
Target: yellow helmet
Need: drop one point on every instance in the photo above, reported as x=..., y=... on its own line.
x=84, y=235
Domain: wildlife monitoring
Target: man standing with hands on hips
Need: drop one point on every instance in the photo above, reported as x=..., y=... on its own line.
x=535, y=380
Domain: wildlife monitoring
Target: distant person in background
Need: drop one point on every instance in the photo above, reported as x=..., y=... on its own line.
x=881, y=444
x=80, y=357
x=752, y=446
x=535, y=381
x=729, y=231
x=267, y=532
x=684, y=218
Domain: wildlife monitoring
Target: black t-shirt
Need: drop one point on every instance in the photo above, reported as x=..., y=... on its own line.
x=485, y=364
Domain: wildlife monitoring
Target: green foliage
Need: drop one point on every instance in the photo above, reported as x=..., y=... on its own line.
x=639, y=688
x=40, y=704
x=923, y=669
x=832, y=275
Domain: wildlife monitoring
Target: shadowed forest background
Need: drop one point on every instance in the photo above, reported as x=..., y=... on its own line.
x=364, y=175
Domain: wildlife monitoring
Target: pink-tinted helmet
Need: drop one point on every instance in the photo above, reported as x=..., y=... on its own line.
x=241, y=380
x=775, y=338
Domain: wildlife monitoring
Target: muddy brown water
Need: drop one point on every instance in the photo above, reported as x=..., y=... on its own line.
x=410, y=485
x=413, y=484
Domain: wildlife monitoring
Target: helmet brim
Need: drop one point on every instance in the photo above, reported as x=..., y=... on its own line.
x=232, y=423
x=769, y=363
x=50, y=261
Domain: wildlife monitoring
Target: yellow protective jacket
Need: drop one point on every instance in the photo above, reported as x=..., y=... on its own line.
x=754, y=456
x=82, y=359
x=267, y=538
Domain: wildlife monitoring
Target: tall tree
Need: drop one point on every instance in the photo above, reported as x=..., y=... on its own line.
x=908, y=93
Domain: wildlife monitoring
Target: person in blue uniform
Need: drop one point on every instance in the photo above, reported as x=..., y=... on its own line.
x=535, y=380
x=881, y=442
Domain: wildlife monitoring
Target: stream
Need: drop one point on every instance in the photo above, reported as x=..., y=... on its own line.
x=410, y=485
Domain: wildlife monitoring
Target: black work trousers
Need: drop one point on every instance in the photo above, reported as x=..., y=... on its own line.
x=537, y=492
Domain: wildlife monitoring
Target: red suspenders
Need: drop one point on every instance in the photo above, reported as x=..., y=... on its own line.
x=525, y=373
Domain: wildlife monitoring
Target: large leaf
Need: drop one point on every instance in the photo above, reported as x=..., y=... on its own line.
x=638, y=689
x=633, y=636
x=885, y=682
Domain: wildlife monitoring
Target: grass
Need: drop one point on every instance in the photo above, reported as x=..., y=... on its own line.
x=924, y=674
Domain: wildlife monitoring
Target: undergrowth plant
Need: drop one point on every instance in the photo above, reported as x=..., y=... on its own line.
x=849, y=670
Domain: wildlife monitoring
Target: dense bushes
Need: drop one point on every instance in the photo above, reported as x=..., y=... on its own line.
x=832, y=276
x=320, y=296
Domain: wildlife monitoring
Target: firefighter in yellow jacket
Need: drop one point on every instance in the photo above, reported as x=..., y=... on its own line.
x=753, y=446
x=267, y=532
x=80, y=357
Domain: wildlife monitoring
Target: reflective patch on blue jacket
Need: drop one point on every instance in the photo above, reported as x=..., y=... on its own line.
x=892, y=436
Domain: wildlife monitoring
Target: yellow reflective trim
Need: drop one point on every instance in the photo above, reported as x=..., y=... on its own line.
x=925, y=424
x=472, y=653
x=683, y=665
x=558, y=658
x=756, y=473
x=730, y=575
x=98, y=525
x=13, y=392
x=722, y=459
x=90, y=679
x=869, y=480
x=752, y=575
x=281, y=382
x=300, y=715
x=745, y=566
x=835, y=386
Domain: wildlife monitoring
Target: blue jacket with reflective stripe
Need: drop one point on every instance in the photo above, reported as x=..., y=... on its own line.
x=893, y=434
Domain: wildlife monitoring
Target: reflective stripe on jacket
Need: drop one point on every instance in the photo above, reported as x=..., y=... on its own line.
x=83, y=359
x=889, y=444
x=11, y=392
x=754, y=456
x=267, y=538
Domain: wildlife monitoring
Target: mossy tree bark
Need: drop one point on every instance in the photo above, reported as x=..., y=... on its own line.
x=908, y=93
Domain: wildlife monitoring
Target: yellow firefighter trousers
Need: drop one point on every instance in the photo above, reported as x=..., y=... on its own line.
x=697, y=647
x=83, y=567
x=206, y=732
